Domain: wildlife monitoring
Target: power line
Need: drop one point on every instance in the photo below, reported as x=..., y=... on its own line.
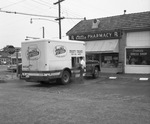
x=13, y=4
x=48, y=4
x=45, y=2
x=59, y=18
x=34, y=8
x=73, y=18
x=46, y=16
x=66, y=9
x=20, y=13
x=40, y=3
x=41, y=19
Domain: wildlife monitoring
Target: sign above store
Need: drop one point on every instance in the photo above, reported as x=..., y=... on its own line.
x=138, y=51
x=96, y=36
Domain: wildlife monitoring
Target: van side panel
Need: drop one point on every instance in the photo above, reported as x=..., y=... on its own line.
x=60, y=54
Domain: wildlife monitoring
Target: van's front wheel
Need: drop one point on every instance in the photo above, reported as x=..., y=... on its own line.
x=65, y=79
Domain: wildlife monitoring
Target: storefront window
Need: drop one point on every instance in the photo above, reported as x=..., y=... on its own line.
x=110, y=60
x=138, y=56
x=92, y=57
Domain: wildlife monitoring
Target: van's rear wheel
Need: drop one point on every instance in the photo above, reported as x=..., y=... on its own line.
x=65, y=79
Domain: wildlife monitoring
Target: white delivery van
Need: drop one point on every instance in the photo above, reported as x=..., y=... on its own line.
x=45, y=59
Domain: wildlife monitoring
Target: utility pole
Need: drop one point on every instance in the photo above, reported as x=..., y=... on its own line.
x=59, y=16
x=43, y=31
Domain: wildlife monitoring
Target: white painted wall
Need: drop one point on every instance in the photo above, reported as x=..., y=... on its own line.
x=138, y=39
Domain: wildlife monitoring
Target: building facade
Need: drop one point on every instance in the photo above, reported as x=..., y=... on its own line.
x=4, y=58
x=121, y=43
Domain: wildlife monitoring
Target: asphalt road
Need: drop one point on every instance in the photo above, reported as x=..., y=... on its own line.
x=98, y=101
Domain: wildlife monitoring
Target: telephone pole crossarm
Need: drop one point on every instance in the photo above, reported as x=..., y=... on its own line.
x=59, y=1
x=60, y=18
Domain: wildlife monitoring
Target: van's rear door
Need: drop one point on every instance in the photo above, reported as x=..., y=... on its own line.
x=33, y=56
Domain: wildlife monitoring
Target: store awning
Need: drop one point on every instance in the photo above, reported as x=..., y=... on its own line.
x=102, y=46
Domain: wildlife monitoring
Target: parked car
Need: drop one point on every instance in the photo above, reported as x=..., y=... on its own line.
x=13, y=67
x=92, y=68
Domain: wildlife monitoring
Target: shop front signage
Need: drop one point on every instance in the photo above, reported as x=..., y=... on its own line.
x=138, y=51
x=96, y=36
x=138, y=56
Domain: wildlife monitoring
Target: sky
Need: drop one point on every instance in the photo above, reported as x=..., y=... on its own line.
x=14, y=28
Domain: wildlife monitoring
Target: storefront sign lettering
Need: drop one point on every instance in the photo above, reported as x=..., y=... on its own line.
x=81, y=37
x=106, y=35
x=138, y=52
x=96, y=36
x=137, y=56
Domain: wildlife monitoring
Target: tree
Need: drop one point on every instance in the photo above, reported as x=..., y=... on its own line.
x=9, y=49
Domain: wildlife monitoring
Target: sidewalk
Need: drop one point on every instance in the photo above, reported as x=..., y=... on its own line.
x=125, y=76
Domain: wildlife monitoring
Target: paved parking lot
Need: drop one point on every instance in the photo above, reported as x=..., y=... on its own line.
x=92, y=102
x=96, y=101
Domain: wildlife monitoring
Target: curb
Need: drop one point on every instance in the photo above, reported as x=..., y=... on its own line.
x=132, y=77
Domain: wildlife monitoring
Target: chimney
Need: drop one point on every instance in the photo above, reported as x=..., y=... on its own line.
x=125, y=12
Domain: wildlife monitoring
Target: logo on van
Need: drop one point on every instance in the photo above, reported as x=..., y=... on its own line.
x=60, y=51
x=33, y=53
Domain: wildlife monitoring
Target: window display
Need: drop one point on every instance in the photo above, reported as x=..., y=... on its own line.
x=92, y=57
x=110, y=60
x=138, y=56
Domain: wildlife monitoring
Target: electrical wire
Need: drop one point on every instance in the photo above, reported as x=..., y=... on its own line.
x=13, y=4
x=38, y=8
x=46, y=10
x=63, y=10
x=40, y=3
x=45, y=2
x=21, y=13
x=34, y=8
x=69, y=12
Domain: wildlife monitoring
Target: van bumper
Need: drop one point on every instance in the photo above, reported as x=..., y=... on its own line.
x=39, y=76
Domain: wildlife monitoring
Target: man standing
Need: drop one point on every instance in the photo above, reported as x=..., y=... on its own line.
x=82, y=66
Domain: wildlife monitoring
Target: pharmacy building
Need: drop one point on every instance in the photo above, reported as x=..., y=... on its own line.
x=121, y=43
